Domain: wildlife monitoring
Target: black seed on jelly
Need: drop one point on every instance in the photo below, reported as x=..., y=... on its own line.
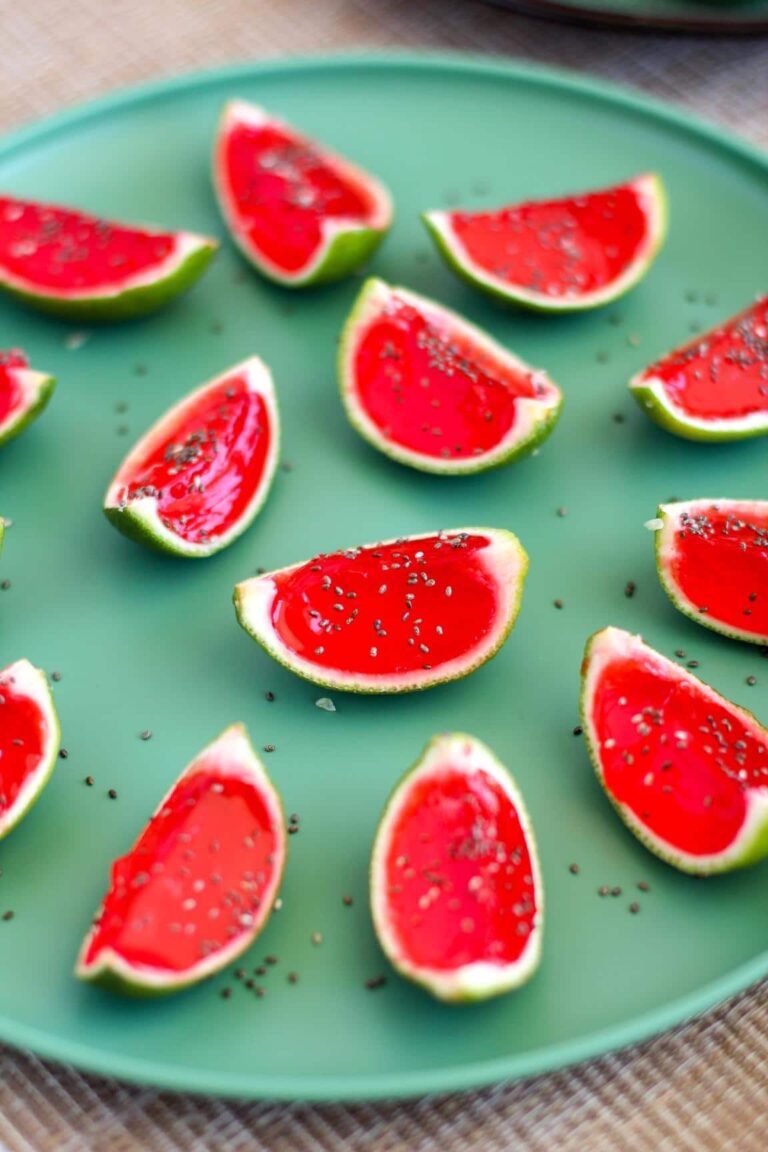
x=634, y=907
x=375, y=982
x=269, y=696
x=89, y=781
x=751, y=680
x=577, y=731
x=112, y=794
x=63, y=753
x=573, y=869
x=56, y=676
x=145, y=735
x=558, y=603
x=629, y=589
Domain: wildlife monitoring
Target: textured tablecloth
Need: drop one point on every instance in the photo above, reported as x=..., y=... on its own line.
x=702, y=1087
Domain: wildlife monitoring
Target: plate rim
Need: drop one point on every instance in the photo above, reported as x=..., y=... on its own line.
x=583, y=13
x=459, y=1077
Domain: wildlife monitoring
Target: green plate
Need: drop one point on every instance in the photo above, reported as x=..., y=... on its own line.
x=716, y=17
x=144, y=641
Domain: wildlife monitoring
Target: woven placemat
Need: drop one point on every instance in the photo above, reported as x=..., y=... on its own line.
x=700, y=1088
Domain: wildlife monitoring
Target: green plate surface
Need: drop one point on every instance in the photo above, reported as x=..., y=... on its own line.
x=144, y=641
x=718, y=17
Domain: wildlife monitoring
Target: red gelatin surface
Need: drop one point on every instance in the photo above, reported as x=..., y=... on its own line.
x=434, y=390
x=64, y=250
x=459, y=873
x=24, y=740
x=11, y=395
x=681, y=761
x=723, y=374
x=559, y=247
x=205, y=469
x=194, y=880
x=284, y=187
x=389, y=608
x=720, y=563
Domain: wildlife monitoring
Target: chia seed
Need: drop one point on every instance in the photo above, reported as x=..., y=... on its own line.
x=751, y=680
x=63, y=753
x=634, y=907
x=577, y=731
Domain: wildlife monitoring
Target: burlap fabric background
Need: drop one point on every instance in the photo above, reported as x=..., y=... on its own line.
x=702, y=1088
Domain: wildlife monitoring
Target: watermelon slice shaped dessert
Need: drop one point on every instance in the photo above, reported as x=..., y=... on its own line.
x=392, y=617
x=456, y=892
x=712, y=560
x=431, y=390
x=686, y=769
x=562, y=255
x=300, y=214
x=198, y=478
x=715, y=387
x=29, y=740
x=23, y=394
x=79, y=266
x=200, y=882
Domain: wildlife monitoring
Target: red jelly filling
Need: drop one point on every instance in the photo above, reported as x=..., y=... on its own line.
x=680, y=761
x=195, y=879
x=284, y=189
x=10, y=391
x=388, y=608
x=724, y=374
x=205, y=470
x=70, y=251
x=433, y=390
x=23, y=735
x=721, y=565
x=558, y=247
x=460, y=884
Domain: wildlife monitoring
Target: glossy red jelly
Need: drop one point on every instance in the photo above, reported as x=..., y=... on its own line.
x=388, y=608
x=720, y=563
x=558, y=247
x=65, y=250
x=284, y=188
x=11, y=395
x=723, y=374
x=205, y=469
x=434, y=390
x=681, y=761
x=460, y=884
x=194, y=881
x=23, y=740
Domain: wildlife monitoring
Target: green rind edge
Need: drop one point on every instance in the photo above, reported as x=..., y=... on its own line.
x=27, y=415
x=464, y=269
x=369, y=690
x=756, y=849
x=414, y=977
x=125, y=305
x=343, y=256
x=542, y=429
x=661, y=415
